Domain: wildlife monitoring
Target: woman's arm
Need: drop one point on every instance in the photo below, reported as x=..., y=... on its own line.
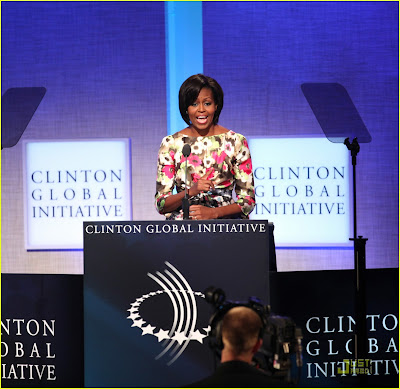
x=173, y=202
x=244, y=179
x=200, y=212
x=166, y=170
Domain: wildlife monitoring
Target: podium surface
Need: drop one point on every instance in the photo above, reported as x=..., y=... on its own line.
x=145, y=316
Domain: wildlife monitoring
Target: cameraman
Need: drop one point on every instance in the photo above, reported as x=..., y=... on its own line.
x=241, y=328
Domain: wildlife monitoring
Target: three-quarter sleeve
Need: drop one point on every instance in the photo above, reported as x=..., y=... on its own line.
x=244, y=180
x=165, y=181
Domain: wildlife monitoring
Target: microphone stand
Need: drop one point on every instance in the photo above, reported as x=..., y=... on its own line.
x=185, y=201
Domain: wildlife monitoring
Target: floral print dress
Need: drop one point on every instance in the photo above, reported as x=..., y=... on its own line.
x=224, y=159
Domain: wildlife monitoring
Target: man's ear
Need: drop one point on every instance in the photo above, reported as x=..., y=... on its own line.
x=257, y=345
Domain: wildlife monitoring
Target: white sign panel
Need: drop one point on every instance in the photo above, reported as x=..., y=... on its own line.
x=303, y=187
x=68, y=182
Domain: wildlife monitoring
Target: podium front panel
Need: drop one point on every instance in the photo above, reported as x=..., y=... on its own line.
x=145, y=316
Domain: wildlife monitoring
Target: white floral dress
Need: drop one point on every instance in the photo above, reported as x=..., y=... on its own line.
x=226, y=160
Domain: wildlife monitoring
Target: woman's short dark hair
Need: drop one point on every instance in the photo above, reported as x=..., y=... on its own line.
x=191, y=88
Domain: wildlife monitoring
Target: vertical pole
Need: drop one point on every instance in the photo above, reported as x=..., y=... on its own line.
x=360, y=336
x=354, y=197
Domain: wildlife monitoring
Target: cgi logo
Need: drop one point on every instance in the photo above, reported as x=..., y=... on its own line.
x=183, y=300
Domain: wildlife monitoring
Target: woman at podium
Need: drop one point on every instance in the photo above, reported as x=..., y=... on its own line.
x=204, y=162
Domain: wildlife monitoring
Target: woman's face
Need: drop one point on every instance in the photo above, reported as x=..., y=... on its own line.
x=201, y=112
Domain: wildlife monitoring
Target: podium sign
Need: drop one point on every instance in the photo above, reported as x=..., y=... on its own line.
x=145, y=316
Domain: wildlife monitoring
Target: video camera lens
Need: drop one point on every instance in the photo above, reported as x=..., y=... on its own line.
x=214, y=296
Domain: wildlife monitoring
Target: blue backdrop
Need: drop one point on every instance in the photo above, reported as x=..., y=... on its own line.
x=104, y=67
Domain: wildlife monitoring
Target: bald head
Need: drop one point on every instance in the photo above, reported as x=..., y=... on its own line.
x=240, y=330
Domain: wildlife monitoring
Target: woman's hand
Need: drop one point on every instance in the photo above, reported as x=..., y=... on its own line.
x=200, y=212
x=202, y=185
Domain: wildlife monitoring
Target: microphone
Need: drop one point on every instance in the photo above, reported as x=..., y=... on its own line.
x=186, y=150
x=185, y=201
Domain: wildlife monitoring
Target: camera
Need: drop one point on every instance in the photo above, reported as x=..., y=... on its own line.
x=281, y=338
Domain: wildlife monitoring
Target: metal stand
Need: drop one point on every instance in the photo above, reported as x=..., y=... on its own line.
x=185, y=201
x=360, y=336
x=339, y=118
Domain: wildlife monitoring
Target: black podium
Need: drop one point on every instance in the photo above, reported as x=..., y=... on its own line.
x=145, y=316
